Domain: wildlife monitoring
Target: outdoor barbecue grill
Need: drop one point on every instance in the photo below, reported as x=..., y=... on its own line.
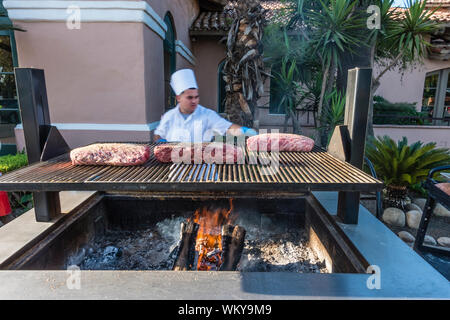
x=51, y=171
x=298, y=171
x=136, y=198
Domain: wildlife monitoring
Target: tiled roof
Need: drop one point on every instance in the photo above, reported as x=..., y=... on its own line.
x=441, y=15
x=220, y=22
x=438, y=3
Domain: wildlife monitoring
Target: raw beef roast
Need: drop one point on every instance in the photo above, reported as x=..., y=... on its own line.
x=444, y=187
x=286, y=142
x=214, y=152
x=113, y=154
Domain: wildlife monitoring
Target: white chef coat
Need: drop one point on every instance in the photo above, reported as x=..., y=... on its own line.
x=200, y=126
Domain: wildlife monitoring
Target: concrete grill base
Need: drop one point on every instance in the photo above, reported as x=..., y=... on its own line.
x=135, y=212
x=374, y=241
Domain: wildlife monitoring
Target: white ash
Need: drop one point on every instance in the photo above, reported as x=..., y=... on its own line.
x=287, y=252
x=149, y=249
x=266, y=249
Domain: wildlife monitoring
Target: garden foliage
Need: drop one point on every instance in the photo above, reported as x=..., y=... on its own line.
x=400, y=164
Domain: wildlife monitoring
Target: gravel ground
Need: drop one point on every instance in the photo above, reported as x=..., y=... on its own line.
x=438, y=226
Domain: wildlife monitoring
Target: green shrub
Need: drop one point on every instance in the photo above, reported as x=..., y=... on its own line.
x=400, y=164
x=385, y=112
x=19, y=201
x=12, y=162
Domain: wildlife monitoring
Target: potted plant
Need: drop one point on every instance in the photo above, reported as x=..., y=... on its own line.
x=402, y=166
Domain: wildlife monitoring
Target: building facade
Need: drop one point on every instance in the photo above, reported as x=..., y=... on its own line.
x=108, y=63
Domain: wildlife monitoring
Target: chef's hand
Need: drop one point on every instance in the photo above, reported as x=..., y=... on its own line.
x=249, y=131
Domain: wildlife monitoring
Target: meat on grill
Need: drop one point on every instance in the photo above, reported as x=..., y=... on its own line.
x=444, y=187
x=214, y=152
x=284, y=142
x=113, y=154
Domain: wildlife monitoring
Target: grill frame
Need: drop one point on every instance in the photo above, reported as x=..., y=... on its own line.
x=299, y=172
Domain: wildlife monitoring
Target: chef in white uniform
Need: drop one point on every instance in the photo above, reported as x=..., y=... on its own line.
x=189, y=121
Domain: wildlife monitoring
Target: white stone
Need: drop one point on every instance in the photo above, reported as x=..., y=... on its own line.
x=394, y=217
x=441, y=211
x=406, y=236
x=412, y=206
x=444, y=241
x=413, y=218
x=429, y=240
x=420, y=202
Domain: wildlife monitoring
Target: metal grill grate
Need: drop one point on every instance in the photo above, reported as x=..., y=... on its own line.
x=297, y=171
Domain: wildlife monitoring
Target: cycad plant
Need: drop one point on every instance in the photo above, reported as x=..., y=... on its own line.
x=401, y=166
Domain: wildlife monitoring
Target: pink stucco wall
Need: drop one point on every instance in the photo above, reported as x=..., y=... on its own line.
x=437, y=134
x=105, y=72
x=407, y=86
x=91, y=76
x=209, y=53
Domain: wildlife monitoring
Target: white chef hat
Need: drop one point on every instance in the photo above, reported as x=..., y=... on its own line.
x=182, y=80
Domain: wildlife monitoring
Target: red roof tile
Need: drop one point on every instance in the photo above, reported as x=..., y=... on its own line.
x=221, y=21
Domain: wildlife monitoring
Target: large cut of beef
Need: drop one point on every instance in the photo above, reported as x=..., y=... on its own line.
x=282, y=141
x=213, y=152
x=444, y=187
x=113, y=154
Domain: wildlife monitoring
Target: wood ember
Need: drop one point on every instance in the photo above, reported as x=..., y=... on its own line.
x=186, y=250
x=268, y=247
x=232, y=245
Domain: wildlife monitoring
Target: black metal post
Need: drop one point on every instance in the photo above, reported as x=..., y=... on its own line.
x=36, y=124
x=356, y=117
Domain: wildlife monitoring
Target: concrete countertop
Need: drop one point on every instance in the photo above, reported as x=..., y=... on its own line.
x=403, y=274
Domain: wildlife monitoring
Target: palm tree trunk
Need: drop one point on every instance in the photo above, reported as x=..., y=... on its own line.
x=370, y=133
x=244, y=67
x=295, y=123
x=322, y=93
x=286, y=119
x=328, y=86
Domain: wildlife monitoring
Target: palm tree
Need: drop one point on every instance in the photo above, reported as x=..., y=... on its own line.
x=401, y=42
x=288, y=90
x=244, y=68
x=332, y=28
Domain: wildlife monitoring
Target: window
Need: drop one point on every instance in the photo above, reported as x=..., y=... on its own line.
x=436, y=96
x=429, y=93
x=221, y=95
x=276, y=94
x=169, y=61
x=9, y=109
x=447, y=98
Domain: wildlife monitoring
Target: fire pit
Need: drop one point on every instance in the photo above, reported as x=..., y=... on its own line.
x=114, y=231
x=133, y=221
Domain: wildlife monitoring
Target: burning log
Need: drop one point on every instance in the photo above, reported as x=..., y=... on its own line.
x=209, y=242
x=232, y=246
x=186, y=249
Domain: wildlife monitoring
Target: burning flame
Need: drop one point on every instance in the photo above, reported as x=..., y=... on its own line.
x=208, y=246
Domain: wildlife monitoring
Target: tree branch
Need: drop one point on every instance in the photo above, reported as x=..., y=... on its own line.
x=392, y=64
